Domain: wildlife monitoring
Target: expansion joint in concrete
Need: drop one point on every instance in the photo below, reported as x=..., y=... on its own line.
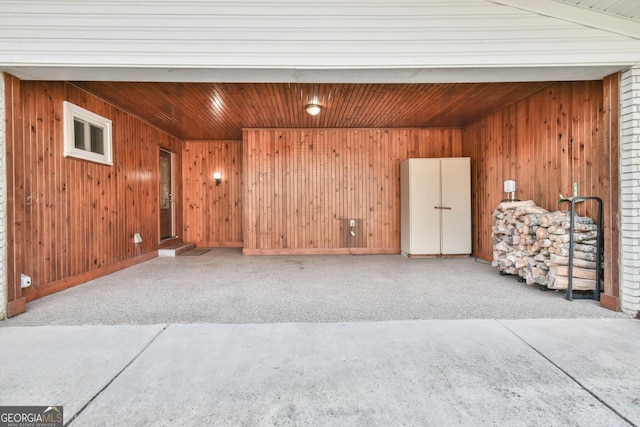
x=568, y=375
x=95, y=396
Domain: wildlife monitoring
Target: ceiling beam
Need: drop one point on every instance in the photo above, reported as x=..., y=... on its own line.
x=577, y=15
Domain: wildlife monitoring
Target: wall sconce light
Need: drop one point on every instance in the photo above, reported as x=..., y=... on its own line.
x=313, y=109
x=218, y=177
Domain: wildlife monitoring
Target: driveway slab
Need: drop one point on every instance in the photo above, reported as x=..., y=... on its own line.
x=603, y=356
x=65, y=365
x=428, y=373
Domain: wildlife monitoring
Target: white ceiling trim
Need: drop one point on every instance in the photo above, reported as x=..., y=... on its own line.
x=577, y=15
x=389, y=75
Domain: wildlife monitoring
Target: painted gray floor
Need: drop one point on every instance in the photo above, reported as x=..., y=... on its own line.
x=422, y=373
x=222, y=286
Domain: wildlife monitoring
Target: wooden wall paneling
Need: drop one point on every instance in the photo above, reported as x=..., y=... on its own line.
x=40, y=230
x=193, y=172
x=359, y=164
x=304, y=195
x=306, y=200
x=560, y=135
x=212, y=214
x=317, y=221
x=266, y=228
x=315, y=178
x=15, y=194
x=275, y=221
x=608, y=151
x=277, y=199
x=566, y=166
x=325, y=234
x=250, y=189
x=286, y=193
x=318, y=179
x=78, y=217
x=378, y=171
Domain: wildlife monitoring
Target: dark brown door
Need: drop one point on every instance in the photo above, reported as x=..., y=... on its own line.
x=166, y=195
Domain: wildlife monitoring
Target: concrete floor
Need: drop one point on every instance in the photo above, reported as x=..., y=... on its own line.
x=551, y=372
x=225, y=340
x=222, y=286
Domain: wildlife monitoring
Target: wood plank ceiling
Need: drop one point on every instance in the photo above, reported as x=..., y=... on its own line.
x=219, y=111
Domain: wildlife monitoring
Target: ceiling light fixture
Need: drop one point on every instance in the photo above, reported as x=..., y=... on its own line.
x=313, y=109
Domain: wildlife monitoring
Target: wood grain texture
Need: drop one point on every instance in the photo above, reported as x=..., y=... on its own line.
x=79, y=217
x=302, y=186
x=560, y=135
x=219, y=111
x=608, y=183
x=15, y=202
x=213, y=213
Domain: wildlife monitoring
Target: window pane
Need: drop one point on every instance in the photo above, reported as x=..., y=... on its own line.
x=97, y=140
x=78, y=134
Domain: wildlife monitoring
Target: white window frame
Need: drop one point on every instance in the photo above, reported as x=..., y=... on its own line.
x=71, y=112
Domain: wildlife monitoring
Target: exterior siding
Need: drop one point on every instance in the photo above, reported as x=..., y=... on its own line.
x=298, y=35
x=630, y=188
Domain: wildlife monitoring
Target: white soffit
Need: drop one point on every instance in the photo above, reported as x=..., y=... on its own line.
x=622, y=8
x=571, y=11
x=391, y=75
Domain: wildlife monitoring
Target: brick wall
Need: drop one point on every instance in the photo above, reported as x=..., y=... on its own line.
x=3, y=206
x=630, y=188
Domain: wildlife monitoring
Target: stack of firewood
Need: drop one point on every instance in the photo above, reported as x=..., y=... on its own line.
x=515, y=245
x=533, y=243
x=584, y=254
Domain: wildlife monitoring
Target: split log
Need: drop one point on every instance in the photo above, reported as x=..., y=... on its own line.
x=547, y=243
x=531, y=219
x=577, y=237
x=533, y=211
x=580, y=227
x=542, y=233
x=580, y=273
x=540, y=258
x=560, y=282
x=560, y=217
x=576, y=255
x=557, y=229
x=503, y=206
x=563, y=260
x=577, y=247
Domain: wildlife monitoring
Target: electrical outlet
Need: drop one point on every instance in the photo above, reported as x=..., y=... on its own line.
x=352, y=223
